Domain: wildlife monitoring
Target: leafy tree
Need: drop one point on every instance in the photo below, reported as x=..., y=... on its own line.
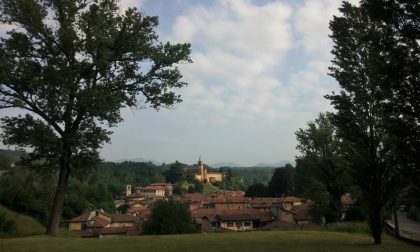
x=176, y=173
x=169, y=217
x=72, y=66
x=27, y=192
x=256, y=190
x=283, y=181
x=401, y=78
x=198, y=186
x=323, y=161
x=179, y=189
x=363, y=53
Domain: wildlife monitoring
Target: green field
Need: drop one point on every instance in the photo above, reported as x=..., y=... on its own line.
x=258, y=241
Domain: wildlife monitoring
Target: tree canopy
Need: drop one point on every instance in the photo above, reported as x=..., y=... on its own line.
x=376, y=63
x=71, y=66
x=322, y=161
x=169, y=217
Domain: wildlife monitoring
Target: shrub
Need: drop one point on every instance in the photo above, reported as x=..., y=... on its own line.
x=355, y=213
x=6, y=226
x=413, y=213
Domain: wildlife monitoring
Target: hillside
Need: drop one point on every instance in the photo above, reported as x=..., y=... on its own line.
x=248, y=241
x=25, y=225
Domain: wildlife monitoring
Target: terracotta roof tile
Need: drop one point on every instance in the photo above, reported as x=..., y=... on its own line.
x=123, y=218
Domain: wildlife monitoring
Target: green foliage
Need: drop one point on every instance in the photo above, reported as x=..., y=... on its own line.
x=283, y=181
x=176, y=173
x=198, y=186
x=169, y=217
x=73, y=66
x=6, y=226
x=355, y=213
x=322, y=162
x=413, y=213
x=23, y=225
x=27, y=192
x=179, y=189
x=376, y=62
x=235, y=183
x=123, y=208
x=256, y=190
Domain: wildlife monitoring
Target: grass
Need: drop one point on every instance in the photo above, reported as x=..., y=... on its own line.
x=208, y=187
x=260, y=241
x=28, y=226
x=25, y=225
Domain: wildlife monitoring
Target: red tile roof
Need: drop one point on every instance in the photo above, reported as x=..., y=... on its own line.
x=346, y=199
x=98, y=222
x=82, y=218
x=123, y=218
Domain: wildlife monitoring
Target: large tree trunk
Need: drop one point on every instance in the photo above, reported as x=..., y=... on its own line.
x=60, y=192
x=376, y=224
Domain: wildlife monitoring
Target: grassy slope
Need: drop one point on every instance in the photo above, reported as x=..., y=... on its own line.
x=25, y=225
x=208, y=187
x=250, y=241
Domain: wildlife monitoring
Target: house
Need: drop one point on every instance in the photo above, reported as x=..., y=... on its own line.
x=99, y=223
x=202, y=174
x=280, y=211
x=90, y=220
x=235, y=220
x=302, y=213
x=155, y=190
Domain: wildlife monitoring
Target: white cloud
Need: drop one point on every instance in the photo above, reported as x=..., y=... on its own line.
x=236, y=48
x=125, y=4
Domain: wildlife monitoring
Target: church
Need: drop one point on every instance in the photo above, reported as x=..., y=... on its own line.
x=202, y=174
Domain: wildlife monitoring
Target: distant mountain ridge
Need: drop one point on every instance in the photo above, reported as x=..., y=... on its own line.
x=139, y=160
x=277, y=164
x=217, y=164
x=273, y=165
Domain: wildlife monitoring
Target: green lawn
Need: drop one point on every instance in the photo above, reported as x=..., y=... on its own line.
x=258, y=241
x=208, y=187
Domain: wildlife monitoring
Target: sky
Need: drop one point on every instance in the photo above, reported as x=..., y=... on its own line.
x=259, y=73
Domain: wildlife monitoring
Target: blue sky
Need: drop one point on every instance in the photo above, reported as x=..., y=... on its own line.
x=259, y=74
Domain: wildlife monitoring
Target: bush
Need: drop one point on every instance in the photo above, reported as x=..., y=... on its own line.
x=355, y=213
x=169, y=217
x=6, y=226
x=413, y=213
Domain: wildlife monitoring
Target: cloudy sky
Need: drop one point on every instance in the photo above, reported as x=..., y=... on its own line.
x=259, y=74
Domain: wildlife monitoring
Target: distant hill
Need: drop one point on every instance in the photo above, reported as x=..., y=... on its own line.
x=278, y=164
x=225, y=164
x=235, y=165
x=140, y=160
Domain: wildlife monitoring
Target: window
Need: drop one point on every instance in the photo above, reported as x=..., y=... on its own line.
x=229, y=224
x=247, y=223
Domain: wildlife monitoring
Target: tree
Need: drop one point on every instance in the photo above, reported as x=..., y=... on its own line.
x=256, y=190
x=362, y=56
x=176, y=173
x=283, y=181
x=198, y=186
x=322, y=161
x=72, y=65
x=169, y=217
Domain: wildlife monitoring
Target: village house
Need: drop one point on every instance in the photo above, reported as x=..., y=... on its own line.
x=202, y=174
x=155, y=190
x=233, y=220
x=99, y=223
